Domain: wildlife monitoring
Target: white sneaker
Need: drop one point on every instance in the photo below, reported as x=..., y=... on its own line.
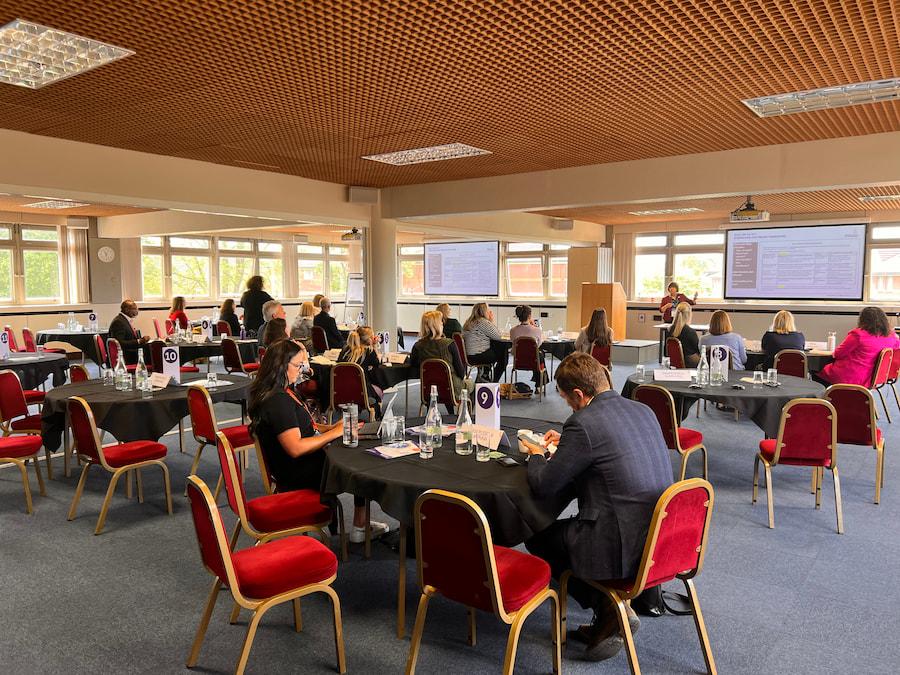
x=358, y=534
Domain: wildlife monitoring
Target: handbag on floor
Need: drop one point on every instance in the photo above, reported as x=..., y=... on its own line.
x=657, y=601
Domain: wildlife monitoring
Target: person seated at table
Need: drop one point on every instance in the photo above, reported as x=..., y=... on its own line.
x=687, y=336
x=360, y=349
x=526, y=328
x=612, y=456
x=722, y=333
x=252, y=301
x=301, y=329
x=484, y=345
x=227, y=313
x=176, y=313
x=782, y=335
x=317, y=298
x=597, y=331
x=671, y=301
x=855, y=357
x=432, y=344
x=451, y=325
x=292, y=444
x=275, y=330
x=326, y=322
x=271, y=310
x=122, y=329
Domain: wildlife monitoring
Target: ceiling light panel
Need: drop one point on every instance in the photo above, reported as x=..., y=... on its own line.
x=33, y=56
x=434, y=153
x=840, y=96
x=866, y=199
x=55, y=204
x=666, y=212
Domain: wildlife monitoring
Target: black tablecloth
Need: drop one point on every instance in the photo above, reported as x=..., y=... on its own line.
x=126, y=415
x=385, y=377
x=761, y=404
x=815, y=362
x=558, y=348
x=502, y=492
x=83, y=340
x=190, y=351
x=33, y=369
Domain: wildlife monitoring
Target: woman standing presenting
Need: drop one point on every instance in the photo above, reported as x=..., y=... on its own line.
x=670, y=301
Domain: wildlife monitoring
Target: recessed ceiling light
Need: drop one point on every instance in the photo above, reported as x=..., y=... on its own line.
x=865, y=199
x=840, y=96
x=666, y=212
x=32, y=55
x=55, y=204
x=434, y=153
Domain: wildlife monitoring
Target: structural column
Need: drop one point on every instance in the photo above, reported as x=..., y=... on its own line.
x=382, y=277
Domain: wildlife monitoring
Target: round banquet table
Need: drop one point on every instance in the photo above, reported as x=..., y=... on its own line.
x=82, y=340
x=33, y=369
x=190, y=351
x=128, y=416
x=558, y=348
x=815, y=362
x=385, y=376
x=761, y=404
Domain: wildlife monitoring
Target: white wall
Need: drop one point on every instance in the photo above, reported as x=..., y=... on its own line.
x=410, y=313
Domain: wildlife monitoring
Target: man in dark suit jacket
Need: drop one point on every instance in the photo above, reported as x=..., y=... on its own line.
x=122, y=330
x=326, y=322
x=612, y=454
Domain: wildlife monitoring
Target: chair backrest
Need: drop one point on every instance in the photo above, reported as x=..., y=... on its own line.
x=676, y=539
x=461, y=347
x=114, y=348
x=348, y=385
x=455, y=551
x=28, y=340
x=675, y=352
x=78, y=373
x=319, y=339
x=170, y=326
x=526, y=355
x=882, y=367
x=855, y=408
x=223, y=328
x=157, y=328
x=660, y=401
x=601, y=353
x=84, y=430
x=807, y=431
x=607, y=373
x=231, y=356
x=400, y=342
x=102, y=357
x=261, y=354
x=792, y=362
x=437, y=372
x=214, y=550
x=203, y=417
x=12, y=400
x=231, y=475
x=268, y=478
x=13, y=346
x=894, y=372
x=156, y=351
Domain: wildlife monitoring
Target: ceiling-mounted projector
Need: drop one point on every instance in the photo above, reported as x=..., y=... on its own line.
x=353, y=235
x=748, y=213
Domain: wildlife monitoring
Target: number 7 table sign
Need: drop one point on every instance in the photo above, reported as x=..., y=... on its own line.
x=487, y=404
x=171, y=363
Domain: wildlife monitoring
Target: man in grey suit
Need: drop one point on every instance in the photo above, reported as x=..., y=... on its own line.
x=612, y=456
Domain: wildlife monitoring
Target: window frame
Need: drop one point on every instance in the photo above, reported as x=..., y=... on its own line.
x=670, y=250
x=873, y=245
x=18, y=246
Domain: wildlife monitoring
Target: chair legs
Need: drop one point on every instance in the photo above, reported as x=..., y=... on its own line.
x=625, y=630
x=887, y=413
x=838, y=507
x=701, y=626
x=204, y=623
x=29, y=509
x=687, y=454
x=416, y=638
x=879, y=472
x=768, y=470
x=818, y=477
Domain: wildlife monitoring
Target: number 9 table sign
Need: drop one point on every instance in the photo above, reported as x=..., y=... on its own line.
x=487, y=404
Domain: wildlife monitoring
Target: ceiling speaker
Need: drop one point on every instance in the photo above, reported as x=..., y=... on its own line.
x=562, y=223
x=362, y=195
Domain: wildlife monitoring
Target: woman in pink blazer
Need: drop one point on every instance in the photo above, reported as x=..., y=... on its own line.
x=855, y=357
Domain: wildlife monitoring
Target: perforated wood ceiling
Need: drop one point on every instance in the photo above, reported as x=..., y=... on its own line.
x=306, y=88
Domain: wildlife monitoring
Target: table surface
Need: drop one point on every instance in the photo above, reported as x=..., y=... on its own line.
x=695, y=326
x=31, y=357
x=67, y=331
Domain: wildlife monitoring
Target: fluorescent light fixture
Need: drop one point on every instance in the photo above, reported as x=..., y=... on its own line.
x=666, y=212
x=875, y=91
x=435, y=153
x=866, y=199
x=55, y=204
x=32, y=55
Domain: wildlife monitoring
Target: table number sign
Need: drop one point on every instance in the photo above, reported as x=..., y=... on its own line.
x=487, y=404
x=171, y=363
x=206, y=329
x=4, y=346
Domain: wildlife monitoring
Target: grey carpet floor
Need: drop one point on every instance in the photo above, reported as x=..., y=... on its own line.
x=796, y=599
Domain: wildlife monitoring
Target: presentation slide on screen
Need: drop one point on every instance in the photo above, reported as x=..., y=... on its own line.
x=463, y=268
x=822, y=262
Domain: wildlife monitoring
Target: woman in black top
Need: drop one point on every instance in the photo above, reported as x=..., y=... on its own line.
x=784, y=335
x=252, y=301
x=687, y=336
x=227, y=313
x=360, y=349
x=292, y=444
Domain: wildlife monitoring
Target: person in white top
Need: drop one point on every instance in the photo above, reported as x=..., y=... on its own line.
x=484, y=345
x=526, y=328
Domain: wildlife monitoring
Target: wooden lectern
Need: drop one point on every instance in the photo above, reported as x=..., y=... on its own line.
x=610, y=297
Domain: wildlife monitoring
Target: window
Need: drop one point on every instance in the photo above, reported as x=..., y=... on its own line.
x=704, y=239
x=311, y=275
x=693, y=259
x=559, y=276
x=37, y=265
x=886, y=232
x=649, y=275
x=699, y=273
x=232, y=245
x=884, y=263
x=233, y=274
x=523, y=247
x=40, y=264
x=190, y=276
x=652, y=241
x=524, y=277
x=271, y=269
x=188, y=242
x=412, y=277
x=152, y=279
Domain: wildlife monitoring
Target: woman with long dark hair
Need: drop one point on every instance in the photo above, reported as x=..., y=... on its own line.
x=855, y=357
x=597, y=330
x=227, y=313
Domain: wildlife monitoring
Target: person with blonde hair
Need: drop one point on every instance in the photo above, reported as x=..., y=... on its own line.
x=687, y=336
x=782, y=335
x=301, y=329
x=451, y=325
x=317, y=298
x=176, y=312
x=484, y=344
x=721, y=333
x=360, y=349
x=432, y=344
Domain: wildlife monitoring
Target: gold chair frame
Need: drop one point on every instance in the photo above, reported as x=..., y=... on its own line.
x=873, y=428
x=544, y=374
x=249, y=373
x=20, y=463
x=365, y=392
x=425, y=399
x=685, y=453
x=7, y=430
x=885, y=354
x=793, y=351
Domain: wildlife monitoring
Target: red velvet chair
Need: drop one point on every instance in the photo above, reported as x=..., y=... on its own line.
x=231, y=359
x=102, y=357
x=114, y=349
x=436, y=372
x=117, y=458
x=807, y=436
x=13, y=345
x=880, y=376
x=527, y=356
x=319, y=340
x=158, y=329
x=894, y=374
x=681, y=440
x=260, y=577
x=78, y=373
x=602, y=354
x=156, y=362
x=457, y=559
x=461, y=348
x=675, y=352
x=348, y=385
x=31, y=343
x=792, y=362
x=170, y=327
x=223, y=328
x=18, y=450
x=33, y=396
x=856, y=423
x=14, y=417
x=674, y=549
x=205, y=427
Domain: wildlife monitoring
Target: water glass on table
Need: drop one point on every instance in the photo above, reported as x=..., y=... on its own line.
x=212, y=380
x=639, y=372
x=482, y=447
x=426, y=447
x=758, y=376
x=666, y=363
x=772, y=377
x=398, y=430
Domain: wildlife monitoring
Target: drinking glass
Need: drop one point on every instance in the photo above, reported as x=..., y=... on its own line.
x=398, y=432
x=695, y=380
x=40, y=350
x=127, y=382
x=772, y=376
x=482, y=447
x=105, y=376
x=758, y=376
x=146, y=389
x=666, y=363
x=639, y=371
x=426, y=449
x=212, y=380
